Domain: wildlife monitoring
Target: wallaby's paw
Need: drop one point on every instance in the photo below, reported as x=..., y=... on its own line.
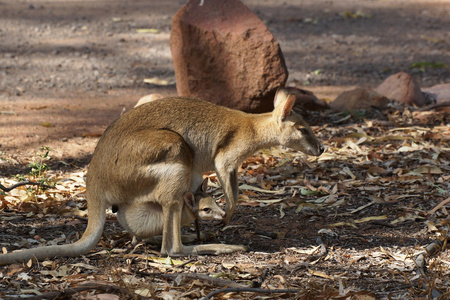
x=226, y=220
x=192, y=238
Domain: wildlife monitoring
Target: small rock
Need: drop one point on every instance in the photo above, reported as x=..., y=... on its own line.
x=359, y=98
x=148, y=98
x=439, y=93
x=403, y=88
x=306, y=100
x=223, y=53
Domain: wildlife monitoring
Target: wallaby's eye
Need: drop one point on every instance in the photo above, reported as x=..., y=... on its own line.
x=206, y=209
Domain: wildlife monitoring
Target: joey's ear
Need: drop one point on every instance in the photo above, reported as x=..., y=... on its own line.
x=189, y=199
x=204, y=186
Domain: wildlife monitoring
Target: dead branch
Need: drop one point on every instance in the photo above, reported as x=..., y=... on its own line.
x=22, y=183
x=434, y=106
x=437, y=207
x=106, y=288
x=191, y=276
x=251, y=290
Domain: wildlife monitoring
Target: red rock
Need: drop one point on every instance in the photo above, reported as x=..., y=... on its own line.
x=306, y=100
x=359, y=98
x=439, y=93
x=223, y=53
x=403, y=88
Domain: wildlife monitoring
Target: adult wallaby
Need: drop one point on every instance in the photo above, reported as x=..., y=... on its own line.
x=158, y=150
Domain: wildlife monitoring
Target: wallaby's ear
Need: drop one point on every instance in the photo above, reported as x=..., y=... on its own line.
x=189, y=200
x=204, y=185
x=288, y=105
x=283, y=103
x=280, y=97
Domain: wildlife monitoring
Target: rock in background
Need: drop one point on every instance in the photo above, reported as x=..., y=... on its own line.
x=223, y=53
x=400, y=87
x=403, y=88
x=439, y=93
x=306, y=101
x=359, y=98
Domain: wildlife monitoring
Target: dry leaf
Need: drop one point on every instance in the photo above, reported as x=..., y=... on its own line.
x=46, y=124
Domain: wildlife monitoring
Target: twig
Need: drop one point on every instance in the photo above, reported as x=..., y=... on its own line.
x=64, y=294
x=185, y=263
x=22, y=183
x=437, y=207
x=434, y=106
x=251, y=290
x=210, y=280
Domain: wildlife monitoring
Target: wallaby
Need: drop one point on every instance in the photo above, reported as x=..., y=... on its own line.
x=158, y=150
x=145, y=220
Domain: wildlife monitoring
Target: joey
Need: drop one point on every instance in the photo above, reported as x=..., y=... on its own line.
x=157, y=151
x=145, y=220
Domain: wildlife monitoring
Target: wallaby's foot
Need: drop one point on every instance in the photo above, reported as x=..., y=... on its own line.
x=135, y=241
x=207, y=249
x=214, y=249
x=226, y=220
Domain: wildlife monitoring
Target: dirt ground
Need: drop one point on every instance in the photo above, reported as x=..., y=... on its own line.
x=69, y=68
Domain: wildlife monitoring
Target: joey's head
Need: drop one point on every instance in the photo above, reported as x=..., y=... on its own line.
x=294, y=132
x=203, y=205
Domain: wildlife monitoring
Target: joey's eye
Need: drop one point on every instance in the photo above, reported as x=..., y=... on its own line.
x=303, y=130
x=206, y=209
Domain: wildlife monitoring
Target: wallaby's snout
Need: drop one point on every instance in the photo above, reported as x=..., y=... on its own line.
x=317, y=147
x=314, y=149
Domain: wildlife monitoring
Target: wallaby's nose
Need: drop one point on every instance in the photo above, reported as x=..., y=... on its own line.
x=321, y=149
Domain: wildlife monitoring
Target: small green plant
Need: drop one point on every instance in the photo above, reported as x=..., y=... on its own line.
x=422, y=65
x=36, y=176
x=39, y=167
x=3, y=156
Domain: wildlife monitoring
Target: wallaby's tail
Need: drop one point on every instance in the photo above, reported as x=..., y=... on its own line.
x=89, y=239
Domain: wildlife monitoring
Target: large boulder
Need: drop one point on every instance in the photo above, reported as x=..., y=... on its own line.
x=403, y=88
x=223, y=53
